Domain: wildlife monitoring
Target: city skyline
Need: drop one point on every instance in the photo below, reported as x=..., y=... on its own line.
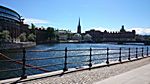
x=94, y=14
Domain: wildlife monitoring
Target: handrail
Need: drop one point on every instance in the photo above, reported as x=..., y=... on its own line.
x=10, y=70
x=43, y=58
x=19, y=62
x=67, y=59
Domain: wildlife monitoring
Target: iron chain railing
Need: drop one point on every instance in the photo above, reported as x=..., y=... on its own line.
x=129, y=55
x=65, y=63
x=142, y=52
x=107, y=61
x=120, y=55
x=136, y=52
x=147, y=51
x=23, y=65
x=93, y=55
x=90, y=61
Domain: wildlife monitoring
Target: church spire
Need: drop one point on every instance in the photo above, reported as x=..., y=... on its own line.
x=79, y=27
x=79, y=22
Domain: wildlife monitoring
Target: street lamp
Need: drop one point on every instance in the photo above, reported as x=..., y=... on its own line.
x=21, y=25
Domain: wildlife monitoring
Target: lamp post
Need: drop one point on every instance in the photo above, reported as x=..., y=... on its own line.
x=21, y=25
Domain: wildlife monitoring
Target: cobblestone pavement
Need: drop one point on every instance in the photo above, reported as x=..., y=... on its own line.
x=139, y=75
x=90, y=76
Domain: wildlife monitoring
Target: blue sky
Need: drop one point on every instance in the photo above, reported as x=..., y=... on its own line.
x=94, y=14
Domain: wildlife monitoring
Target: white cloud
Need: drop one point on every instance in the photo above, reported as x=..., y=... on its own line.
x=142, y=31
x=35, y=21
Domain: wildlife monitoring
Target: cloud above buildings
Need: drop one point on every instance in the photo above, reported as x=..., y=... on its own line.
x=35, y=21
x=141, y=31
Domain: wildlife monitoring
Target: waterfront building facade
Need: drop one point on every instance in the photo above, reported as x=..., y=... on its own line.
x=87, y=38
x=11, y=21
x=63, y=35
x=98, y=36
x=77, y=37
x=122, y=35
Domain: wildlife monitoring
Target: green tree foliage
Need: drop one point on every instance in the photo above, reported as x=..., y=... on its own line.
x=0, y=35
x=5, y=36
x=32, y=28
x=50, y=33
x=22, y=37
x=31, y=37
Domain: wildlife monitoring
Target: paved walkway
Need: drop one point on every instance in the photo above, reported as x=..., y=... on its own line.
x=133, y=69
x=140, y=75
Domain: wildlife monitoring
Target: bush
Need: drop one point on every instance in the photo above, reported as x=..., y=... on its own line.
x=5, y=36
x=31, y=37
x=22, y=37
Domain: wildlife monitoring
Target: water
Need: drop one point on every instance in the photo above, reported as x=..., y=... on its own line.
x=75, y=59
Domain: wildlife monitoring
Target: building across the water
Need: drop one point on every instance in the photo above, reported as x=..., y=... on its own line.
x=98, y=36
x=10, y=20
x=122, y=35
x=63, y=35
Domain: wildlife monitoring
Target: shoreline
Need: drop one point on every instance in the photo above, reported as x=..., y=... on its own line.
x=10, y=46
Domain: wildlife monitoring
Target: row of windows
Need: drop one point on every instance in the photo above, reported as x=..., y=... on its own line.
x=9, y=12
x=8, y=19
x=9, y=16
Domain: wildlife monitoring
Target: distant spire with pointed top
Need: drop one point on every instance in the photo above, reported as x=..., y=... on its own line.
x=79, y=27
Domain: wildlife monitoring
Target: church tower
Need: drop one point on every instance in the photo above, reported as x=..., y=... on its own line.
x=79, y=27
x=122, y=29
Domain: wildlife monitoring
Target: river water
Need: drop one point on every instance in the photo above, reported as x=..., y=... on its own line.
x=78, y=58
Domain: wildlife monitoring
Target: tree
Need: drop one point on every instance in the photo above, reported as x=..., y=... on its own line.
x=31, y=37
x=5, y=36
x=22, y=37
x=50, y=33
x=32, y=28
x=0, y=36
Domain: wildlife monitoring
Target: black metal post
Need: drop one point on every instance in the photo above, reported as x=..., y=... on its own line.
x=120, y=55
x=129, y=55
x=107, y=61
x=23, y=65
x=65, y=63
x=147, y=51
x=136, y=52
x=142, y=52
x=90, y=61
